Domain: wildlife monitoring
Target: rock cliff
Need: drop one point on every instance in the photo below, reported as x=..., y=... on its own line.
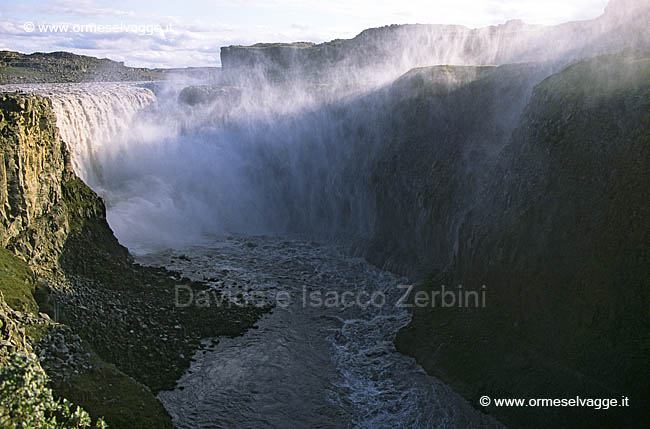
x=45, y=210
x=76, y=298
x=43, y=202
x=381, y=54
x=556, y=230
x=16, y=67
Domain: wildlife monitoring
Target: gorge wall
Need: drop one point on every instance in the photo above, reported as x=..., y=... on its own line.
x=379, y=55
x=557, y=232
x=53, y=228
x=43, y=202
x=528, y=179
x=74, y=296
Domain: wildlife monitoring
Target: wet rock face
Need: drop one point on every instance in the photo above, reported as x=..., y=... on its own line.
x=32, y=170
x=447, y=127
x=205, y=94
x=42, y=202
x=558, y=231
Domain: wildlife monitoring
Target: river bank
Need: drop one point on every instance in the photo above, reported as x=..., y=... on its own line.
x=107, y=331
x=325, y=352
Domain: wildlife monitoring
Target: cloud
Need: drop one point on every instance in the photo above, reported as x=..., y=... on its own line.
x=196, y=40
x=81, y=8
x=193, y=43
x=464, y=12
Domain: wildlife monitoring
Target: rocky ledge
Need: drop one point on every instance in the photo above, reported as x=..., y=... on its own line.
x=105, y=330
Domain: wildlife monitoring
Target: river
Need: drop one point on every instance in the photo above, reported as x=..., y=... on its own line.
x=311, y=362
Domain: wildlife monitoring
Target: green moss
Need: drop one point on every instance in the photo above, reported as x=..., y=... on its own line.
x=82, y=203
x=16, y=282
x=122, y=401
x=603, y=76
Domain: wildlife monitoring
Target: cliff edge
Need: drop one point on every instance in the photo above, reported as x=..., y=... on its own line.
x=558, y=237
x=105, y=330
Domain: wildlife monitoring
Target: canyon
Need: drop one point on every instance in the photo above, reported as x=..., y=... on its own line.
x=511, y=160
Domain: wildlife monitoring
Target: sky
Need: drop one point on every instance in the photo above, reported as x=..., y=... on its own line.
x=181, y=33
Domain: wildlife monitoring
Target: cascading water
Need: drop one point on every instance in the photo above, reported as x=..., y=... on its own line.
x=181, y=170
x=175, y=174
x=90, y=117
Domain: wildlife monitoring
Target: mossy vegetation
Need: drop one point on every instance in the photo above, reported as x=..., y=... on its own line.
x=17, y=282
x=27, y=402
x=124, y=403
x=119, y=315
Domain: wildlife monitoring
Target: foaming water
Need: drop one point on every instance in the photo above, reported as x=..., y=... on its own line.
x=173, y=172
x=306, y=365
x=285, y=141
x=90, y=117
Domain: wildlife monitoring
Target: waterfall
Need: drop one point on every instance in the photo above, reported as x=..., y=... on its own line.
x=174, y=171
x=179, y=167
x=91, y=116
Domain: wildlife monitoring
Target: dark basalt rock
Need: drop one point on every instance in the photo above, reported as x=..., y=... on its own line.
x=559, y=232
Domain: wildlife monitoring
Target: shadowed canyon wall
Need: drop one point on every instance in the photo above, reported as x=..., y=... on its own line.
x=557, y=231
x=528, y=178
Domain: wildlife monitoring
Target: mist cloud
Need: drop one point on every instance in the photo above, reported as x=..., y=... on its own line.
x=195, y=40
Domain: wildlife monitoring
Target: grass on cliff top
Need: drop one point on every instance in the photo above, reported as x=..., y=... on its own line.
x=13, y=74
x=41, y=67
x=601, y=76
x=17, y=282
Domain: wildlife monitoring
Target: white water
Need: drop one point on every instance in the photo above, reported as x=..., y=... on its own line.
x=172, y=174
x=306, y=365
x=262, y=158
x=278, y=160
x=92, y=117
x=175, y=175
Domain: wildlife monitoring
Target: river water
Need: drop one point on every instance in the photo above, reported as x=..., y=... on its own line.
x=311, y=362
x=169, y=175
